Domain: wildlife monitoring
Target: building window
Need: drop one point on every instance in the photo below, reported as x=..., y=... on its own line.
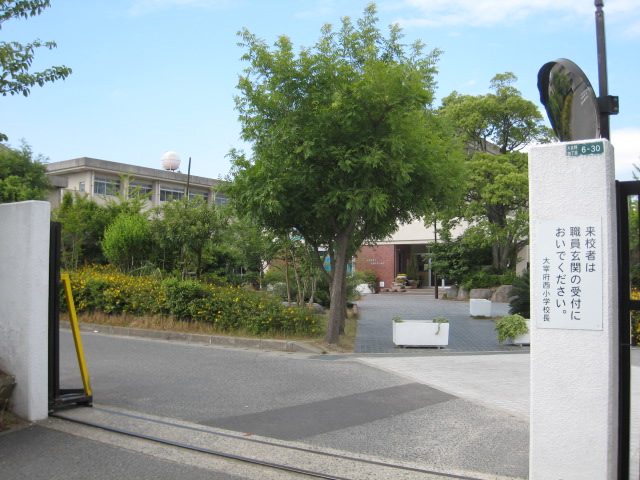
x=81, y=186
x=106, y=186
x=170, y=193
x=140, y=190
x=221, y=200
x=204, y=195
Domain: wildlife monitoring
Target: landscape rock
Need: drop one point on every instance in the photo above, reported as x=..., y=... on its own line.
x=503, y=294
x=452, y=292
x=482, y=293
x=463, y=293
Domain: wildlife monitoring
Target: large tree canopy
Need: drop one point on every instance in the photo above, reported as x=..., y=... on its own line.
x=16, y=59
x=345, y=141
x=495, y=200
x=502, y=118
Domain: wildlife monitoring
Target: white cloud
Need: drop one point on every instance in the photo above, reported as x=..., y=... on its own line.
x=626, y=144
x=624, y=14
x=140, y=7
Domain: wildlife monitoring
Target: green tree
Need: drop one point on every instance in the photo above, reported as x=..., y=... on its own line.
x=127, y=241
x=252, y=247
x=124, y=200
x=183, y=229
x=495, y=127
x=502, y=119
x=345, y=142
x=497, y=203
x=456, y=259
x=22, y=175
x=83, y=225
x=16, y=59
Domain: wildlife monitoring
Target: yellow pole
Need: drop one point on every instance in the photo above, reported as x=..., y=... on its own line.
x=66, y=281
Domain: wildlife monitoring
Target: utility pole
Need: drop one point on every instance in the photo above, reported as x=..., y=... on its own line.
x=607, y=104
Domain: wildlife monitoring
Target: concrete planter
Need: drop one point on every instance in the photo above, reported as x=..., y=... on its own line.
x=479, y=307
x=420, y=333
x=365, y=289
x=524, y=339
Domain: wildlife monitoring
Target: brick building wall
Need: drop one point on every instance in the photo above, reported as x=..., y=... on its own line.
x=380, y=259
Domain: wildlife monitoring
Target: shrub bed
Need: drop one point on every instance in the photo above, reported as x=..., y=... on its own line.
x=105, y=289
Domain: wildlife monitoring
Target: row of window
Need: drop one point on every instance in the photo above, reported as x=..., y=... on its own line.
x=108, y=186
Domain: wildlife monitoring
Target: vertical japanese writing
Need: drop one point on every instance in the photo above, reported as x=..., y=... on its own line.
x=546, y=290
x=570, y=273
x=575, y=250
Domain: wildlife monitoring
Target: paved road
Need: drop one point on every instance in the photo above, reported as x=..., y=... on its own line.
x=322, y=402
x=466, y=334
x=441, y=410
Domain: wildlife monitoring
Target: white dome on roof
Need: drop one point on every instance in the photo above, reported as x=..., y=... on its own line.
x=170, y=161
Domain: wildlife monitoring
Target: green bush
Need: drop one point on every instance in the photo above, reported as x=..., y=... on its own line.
x=510, y=326
x=274, y=281
x=182, y=297
x=521, y=301
x=127, y=241
x=456, y=260
x=213, y=279
x=487, y=279
x=367, y=277
x=105, y=289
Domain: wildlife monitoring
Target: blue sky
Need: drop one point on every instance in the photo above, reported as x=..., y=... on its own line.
x=157, y=75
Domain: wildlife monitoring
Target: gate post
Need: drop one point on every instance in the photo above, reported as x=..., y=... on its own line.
x=24, y=299
x=574, y=311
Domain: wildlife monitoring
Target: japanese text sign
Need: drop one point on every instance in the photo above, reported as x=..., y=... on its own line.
x=569, y=274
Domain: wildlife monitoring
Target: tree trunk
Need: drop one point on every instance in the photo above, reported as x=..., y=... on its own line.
x=286, y=274
x=314, y=282
x=296, y=276
x=183, y=260
x=198, y=264
x=338, y=290
x=500, y=254
x=343, y=300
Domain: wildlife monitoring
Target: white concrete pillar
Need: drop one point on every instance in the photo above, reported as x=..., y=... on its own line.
x=574, y=311
x=24, y=300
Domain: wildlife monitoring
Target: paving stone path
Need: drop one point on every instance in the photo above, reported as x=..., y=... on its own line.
x=466, y=334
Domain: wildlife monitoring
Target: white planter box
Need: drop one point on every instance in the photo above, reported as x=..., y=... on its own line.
x=479, y=307
x=420, y=333
x=524, y=339
x=364, y=289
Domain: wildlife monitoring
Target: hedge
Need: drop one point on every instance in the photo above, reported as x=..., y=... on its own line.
x=105, y=289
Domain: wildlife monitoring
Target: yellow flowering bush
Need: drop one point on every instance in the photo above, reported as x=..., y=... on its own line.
x=105, y=289
x=635, y=317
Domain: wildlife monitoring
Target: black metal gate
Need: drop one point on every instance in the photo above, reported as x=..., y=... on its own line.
x=58, y=397
x=628, y=196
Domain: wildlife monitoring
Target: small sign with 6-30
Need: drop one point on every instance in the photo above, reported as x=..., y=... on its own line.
x=593, y=148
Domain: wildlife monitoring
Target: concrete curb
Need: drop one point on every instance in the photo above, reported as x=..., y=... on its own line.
x=239, y=342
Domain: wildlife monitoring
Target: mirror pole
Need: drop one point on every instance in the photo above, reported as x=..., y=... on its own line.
x=602, y=69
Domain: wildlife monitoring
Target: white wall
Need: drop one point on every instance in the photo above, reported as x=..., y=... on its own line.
x=24, y=277
x=416, y=232
x=573, y=369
